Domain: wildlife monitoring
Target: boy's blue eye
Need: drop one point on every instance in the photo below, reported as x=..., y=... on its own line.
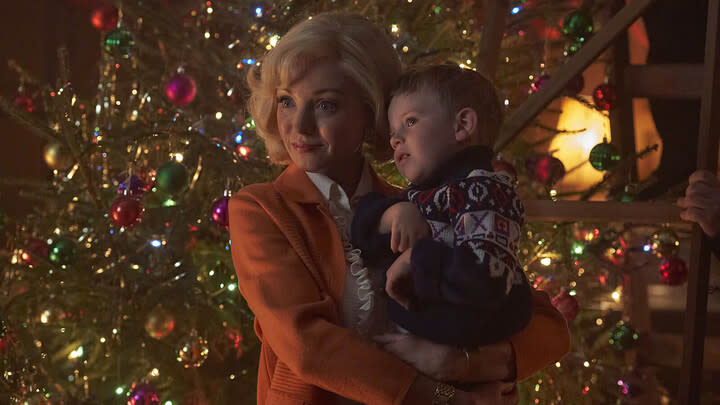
x=285, y=101
x=410, y=121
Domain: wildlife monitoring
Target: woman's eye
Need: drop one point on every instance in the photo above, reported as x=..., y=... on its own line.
x=410, y=121
x=326, y=106
x=285, y=101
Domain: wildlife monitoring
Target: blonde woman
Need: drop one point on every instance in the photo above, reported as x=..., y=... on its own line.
x=319, y=100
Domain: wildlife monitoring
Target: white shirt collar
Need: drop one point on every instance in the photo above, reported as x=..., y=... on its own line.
x=332, y=190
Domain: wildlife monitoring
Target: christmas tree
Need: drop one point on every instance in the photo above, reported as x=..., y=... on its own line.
x=119, y=288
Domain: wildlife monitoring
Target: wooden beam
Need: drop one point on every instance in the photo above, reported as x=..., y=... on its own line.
x=601, y=211
x=557, y=83
x=622, y=125
x=698, y=280
x=489, y=51
x=678, y=81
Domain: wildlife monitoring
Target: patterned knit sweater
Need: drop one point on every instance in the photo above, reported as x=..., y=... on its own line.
x=469, y=286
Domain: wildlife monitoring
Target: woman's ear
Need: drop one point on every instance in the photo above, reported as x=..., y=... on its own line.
x=466, y=122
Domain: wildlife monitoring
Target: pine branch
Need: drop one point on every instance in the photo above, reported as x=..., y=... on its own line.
x=29, y=122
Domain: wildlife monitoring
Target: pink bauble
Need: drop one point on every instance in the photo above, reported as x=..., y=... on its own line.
x=180, y=89
x=219, y=211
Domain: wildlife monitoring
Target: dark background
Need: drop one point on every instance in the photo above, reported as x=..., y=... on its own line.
x=31, y=31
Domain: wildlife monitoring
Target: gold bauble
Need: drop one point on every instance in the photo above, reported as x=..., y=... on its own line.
x=57, y=156
x=159, y=323
x=192, y=350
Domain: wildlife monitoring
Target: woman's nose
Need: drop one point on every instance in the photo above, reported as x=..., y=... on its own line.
x=306, y=121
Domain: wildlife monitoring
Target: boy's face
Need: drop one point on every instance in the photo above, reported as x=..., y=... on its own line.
x=422, y=134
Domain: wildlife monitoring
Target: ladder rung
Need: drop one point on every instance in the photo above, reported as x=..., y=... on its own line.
x=680, y=81
x=601, y=211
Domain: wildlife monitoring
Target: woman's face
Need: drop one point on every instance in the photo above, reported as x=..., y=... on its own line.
x=321, y=117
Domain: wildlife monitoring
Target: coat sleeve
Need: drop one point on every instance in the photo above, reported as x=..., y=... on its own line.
x=544, y=341
x=297, y=319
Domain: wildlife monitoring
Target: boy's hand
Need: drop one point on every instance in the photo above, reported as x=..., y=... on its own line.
x=406, y=224
x=399, y=285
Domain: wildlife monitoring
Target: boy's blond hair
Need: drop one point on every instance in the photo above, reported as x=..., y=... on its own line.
x=456, y=89
x=364, y=53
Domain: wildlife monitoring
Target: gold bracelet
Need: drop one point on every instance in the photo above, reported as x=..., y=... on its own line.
x=444, y=394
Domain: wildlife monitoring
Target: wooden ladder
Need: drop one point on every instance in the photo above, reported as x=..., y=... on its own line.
x=678, y=81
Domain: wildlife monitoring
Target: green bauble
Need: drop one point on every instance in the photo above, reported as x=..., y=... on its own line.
x=577, y=26
x=604, y=156
x=120, y=41
x=62, y=251
x=623, y=336
x=172, y=177
x=571, y=48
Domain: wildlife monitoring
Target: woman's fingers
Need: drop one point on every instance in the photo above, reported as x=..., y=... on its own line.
x=692, y=214
x=702, y=176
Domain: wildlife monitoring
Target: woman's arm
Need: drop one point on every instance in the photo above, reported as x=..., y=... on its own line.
x=298, y=321
x=544, y=341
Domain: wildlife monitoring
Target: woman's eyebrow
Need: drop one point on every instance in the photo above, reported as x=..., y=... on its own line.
x=327, y=90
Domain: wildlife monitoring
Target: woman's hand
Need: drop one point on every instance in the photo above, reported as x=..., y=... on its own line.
x=404, y=222
x=422, y=391
x=494, y=362
x=701, y=203
x=439, y=362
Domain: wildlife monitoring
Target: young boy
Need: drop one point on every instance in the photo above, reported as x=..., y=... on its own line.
x=458, y=280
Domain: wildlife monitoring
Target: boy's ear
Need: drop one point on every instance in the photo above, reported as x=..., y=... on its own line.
x=466, y=122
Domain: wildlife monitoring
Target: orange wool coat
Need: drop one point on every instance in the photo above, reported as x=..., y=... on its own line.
x=290, y=263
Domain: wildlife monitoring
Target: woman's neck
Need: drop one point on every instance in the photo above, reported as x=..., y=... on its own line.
x=348, y=177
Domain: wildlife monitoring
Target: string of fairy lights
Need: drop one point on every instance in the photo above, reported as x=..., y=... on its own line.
x=161, y=167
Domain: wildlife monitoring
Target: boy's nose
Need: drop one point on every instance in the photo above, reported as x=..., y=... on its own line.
x=395, y=141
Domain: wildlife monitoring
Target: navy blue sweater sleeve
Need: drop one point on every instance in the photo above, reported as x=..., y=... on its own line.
x=480, y=268
x=375, y=246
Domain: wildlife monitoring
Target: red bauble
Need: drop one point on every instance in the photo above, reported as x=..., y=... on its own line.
x=126, y=211
x=605, y=97
x=34, y=247
x=180, y=89
x=673, y=271
x=567, y=305
x=549, y=170
x=500, y=165
x=25, y=103
x=105, y=18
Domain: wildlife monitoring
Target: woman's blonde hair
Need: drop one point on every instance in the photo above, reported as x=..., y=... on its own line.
x=364, y=53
